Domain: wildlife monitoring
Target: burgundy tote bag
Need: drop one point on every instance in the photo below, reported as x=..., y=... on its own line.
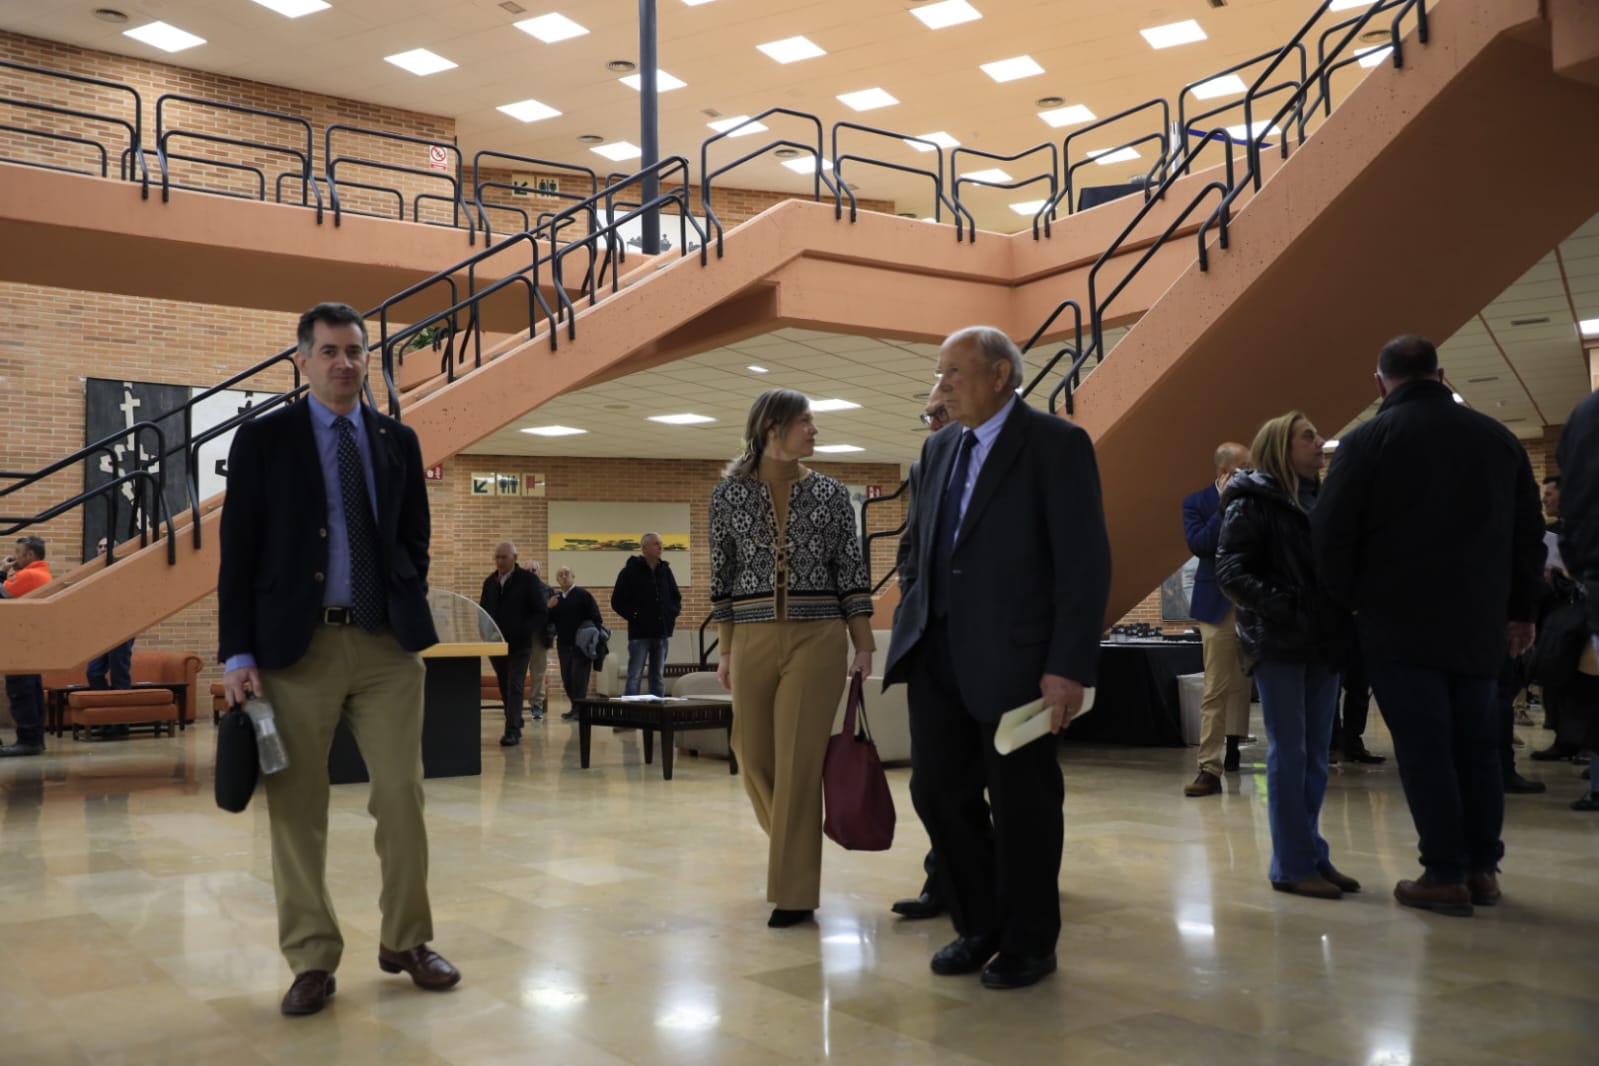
x=859, y=806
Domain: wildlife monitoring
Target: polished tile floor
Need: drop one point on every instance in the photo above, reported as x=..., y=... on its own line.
x=607, y=917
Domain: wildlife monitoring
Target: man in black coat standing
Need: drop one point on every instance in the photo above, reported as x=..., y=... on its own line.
x=1429, y=529
x=1578, y=456
x=1004, y=596
x=646, y=595
x=519, y=604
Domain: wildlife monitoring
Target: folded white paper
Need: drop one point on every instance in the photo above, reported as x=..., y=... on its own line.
x=1030, y=721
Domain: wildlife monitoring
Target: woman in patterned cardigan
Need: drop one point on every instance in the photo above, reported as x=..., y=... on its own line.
x=784, y=602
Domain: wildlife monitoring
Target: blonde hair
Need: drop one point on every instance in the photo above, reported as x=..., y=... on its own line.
x=1273, y=452
x=773, y=409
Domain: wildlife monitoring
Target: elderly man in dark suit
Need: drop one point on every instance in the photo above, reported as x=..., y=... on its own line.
x=1224, y=712
x=322, y=606
x=1007, y=578
x=519, y=604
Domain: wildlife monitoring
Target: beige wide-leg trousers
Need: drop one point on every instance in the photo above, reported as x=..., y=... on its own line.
x=1224, y=711
x=372, y=683
x=787, y=680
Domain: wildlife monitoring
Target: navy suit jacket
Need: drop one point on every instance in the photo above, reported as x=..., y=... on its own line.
x=1202, y=530
x=274, y=536
x=1029, y=571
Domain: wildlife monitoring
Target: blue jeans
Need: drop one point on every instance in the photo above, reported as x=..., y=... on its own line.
x=116, y=664
x=637, y=650
x=1298, y=701
x=1446, y=741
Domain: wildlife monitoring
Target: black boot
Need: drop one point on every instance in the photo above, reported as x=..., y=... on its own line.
x=1521, y=786
x=1230, y=761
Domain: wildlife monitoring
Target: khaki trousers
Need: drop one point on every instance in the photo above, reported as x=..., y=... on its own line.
x=787, y=680
x=1224, y=711
x=538, y=665
x=370, y=682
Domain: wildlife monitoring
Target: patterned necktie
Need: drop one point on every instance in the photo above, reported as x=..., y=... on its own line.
x=366, y=605
x=949, y=520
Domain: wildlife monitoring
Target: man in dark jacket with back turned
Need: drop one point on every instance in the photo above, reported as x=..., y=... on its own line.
x=1429, y=529
x=646, y=594
x=518, y=602
x=1578, y=456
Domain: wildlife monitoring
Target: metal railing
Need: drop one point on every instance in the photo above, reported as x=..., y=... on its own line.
x=131, y=163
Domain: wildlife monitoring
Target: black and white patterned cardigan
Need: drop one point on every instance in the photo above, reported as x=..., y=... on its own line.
x=827, y=575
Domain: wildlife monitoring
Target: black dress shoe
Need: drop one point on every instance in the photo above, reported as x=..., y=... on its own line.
x=923, y=906
x=12, y=751
x=1017, y=971
x=309, y=993
x=428, y=969
x=1555, y=752
x=1521, y=786
x=964, y=954
x=782, y=919
x=1357, y=752
x=1230, y=761
x=510, y=740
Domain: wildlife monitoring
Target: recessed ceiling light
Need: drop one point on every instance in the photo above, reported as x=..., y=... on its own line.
x=551, y=28
x=832, y=405
x=589, y=138
x=786, y=153
x=1075, y=115
x=664, y=82
x=1458, y=398
x=791, y=49
x=992, y=176
x=1048, y=102
x=1003, y=70
x=420, y=61
x=946, y=13
x=1106, y=156
x=1330, y=446
x=1241, y=132
x=940, y=138
x=835, y=448
x=1226, y=85
x=753, y=369
x=618, y=151
x=867, y=99
x=807, y=164
x=554, y=431
x=681, y=420
x=621, y=66
x=1589, y=327
x=167, y=38
x=1345, y=5
x=695, y=3
x=110, y=14
x=1371, y=57
x=295, y=8
x=1028, y=207
x=739, y=125
x=528, y=110
x=1173, y=33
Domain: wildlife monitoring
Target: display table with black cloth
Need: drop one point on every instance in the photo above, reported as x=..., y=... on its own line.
x=669, y=717
x=1094, y=195
x=452, y=718
x=1136, y=699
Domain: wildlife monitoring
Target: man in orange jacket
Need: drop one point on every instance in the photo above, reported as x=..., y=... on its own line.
x=22, y=573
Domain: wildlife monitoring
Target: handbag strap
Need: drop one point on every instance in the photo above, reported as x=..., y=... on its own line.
x=855, y=711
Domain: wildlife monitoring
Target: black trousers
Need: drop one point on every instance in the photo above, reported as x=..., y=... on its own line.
x=1351, y=724
x=575, y=669
x=1000, y=881
x=26, y=693
x=1447, y=740
x=510, y=671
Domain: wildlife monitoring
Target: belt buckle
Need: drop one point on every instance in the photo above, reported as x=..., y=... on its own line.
x=336, y=616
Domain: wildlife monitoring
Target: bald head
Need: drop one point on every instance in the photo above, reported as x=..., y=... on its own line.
x=1229, y=457
x=504, y=557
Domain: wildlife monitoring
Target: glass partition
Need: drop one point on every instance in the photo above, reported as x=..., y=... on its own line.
x=460, y=620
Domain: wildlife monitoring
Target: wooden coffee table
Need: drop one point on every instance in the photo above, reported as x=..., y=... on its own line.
x=666, y=717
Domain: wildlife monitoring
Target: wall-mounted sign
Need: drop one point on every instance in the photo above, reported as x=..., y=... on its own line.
x=509, y=484
x=485, y=484
x=434, y=473
x=438, y=157
x=533, y=484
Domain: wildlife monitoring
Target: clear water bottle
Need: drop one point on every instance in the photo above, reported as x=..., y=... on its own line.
x=268, y=742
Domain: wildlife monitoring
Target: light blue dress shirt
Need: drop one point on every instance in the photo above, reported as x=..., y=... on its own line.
x=987, y=433
x=336, y=583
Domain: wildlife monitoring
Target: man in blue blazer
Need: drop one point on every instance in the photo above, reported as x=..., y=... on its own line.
x=1224, y=713
x=1005, y=584
x=322, y=607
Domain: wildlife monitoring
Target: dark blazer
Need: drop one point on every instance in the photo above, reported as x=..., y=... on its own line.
x=275, y=537
x=520, y=607
x=1030, y=570
x=1202, y=531
x=1428, y=528
x=647, y=599
x=1578, y=456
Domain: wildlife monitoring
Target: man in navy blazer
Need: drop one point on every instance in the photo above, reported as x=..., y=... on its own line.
x=1006, y=580
x=1224, y=713
x=322, y=606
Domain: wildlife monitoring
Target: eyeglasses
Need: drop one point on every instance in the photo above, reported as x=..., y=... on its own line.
x=939, y=415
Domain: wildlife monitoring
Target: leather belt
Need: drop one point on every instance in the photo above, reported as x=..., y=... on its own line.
x=338, y=616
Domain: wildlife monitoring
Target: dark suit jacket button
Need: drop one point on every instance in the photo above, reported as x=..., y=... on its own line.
x=317, y=577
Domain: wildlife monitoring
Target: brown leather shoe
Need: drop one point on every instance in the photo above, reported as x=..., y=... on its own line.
x=1426, y=894
x=309, y=993
x=428, y=969
x=1484, y=888
x=1206, y=784
x=1345, y=883
x=1314, y=887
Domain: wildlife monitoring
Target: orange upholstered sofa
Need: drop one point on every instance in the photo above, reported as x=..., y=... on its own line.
x=148, y=668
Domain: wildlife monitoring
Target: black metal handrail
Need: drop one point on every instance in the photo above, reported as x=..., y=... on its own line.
x=705, y=651
x=1163, y=135
x=1047, y=209
x=128, y=157
x=940, y=201
x=1183, y=119
x=713, y=223
x=331, y=163
x=1074, y=348
x=546, y=165
x=301, y=153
